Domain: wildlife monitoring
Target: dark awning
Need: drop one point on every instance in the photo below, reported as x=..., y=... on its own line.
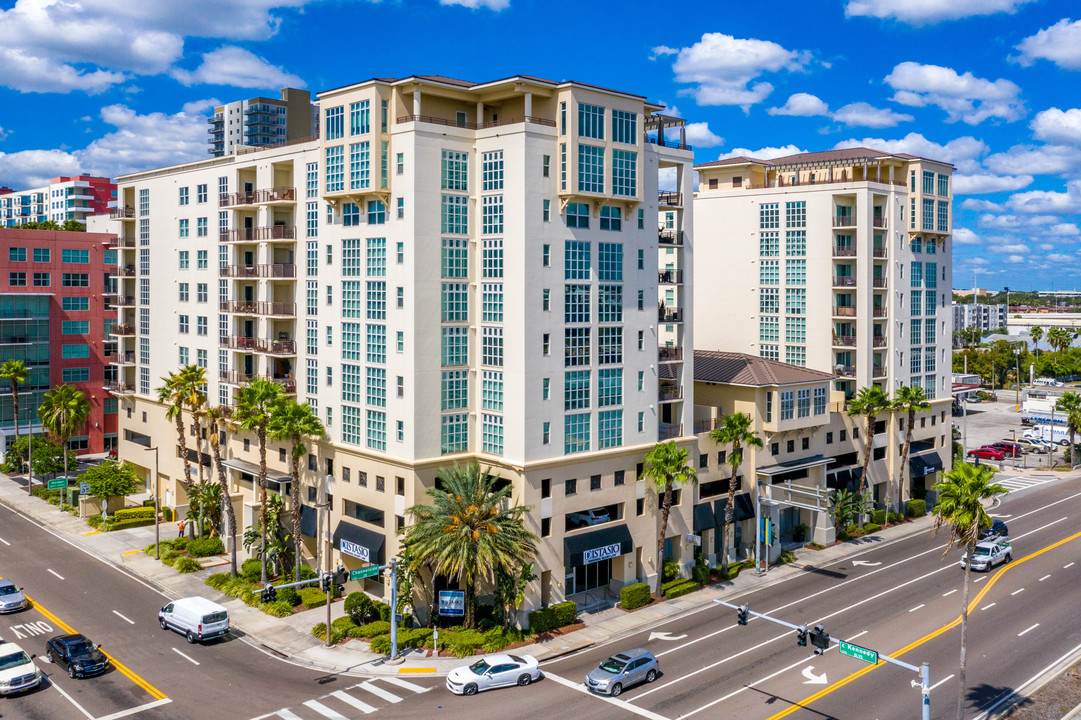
x=359, y=542
x=275, y=481
x=792, y=465
x=703, y=517
x=923, y=465
x=742, y=509
x=839, y=480
x=597, y=545
x=309, y=521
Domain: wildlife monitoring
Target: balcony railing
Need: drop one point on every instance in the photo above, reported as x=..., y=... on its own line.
x=667, y=143
x=123, y=301
x=844, y=281
x=275, y=232
x=117, y=243
x=670, y=315
x=119, y=388
x=235, y=377
x=122, y=330
x=122, y=213
x=258, y=307
x=670, y=277
x=288, y=384
x=255, y=197
x=844, y=310
x=237, y=342
x=672, y=199
x=844, y=340
x=878, y=282
x=878, y=312
x=844, y=251
x=845, y=370
x=844, y=221
x=124, y=358
x=277, y=270
x=879, y=252
x=704, y=426
x=263, y=345
x=670, y=393
x=878, y=341
x=670, y=237
x=123, y=271
x=878, y=222
x=476, y=126
x=667, y=431
x=669, y=354
x=878, y=372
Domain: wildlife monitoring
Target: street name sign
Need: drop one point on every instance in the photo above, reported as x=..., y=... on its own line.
x=84, y=488
x=364, y=572
x=860, y=653
x=58, y=484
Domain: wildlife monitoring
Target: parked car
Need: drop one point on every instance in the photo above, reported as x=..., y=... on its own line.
x=493, y=671
x=17, y=670
x=77, y=654
x=196, y=618
x=1011, y=449
x=589, y=517
x=987, y=453
x=621, y=671
x=997, y=530
x=11, y=597
x=990, y=553
x=1034, y=445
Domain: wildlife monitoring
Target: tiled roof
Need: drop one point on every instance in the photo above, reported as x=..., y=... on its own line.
x=732, y=368
x=857, y=153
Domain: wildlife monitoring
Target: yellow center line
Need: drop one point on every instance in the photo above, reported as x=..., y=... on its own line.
x=157, y=694
x=926, y=638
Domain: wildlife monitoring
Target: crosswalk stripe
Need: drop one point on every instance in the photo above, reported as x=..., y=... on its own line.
x=285, y=714
x=379, y=692
x=350, y=700
x=324, y=710
x=406, y=684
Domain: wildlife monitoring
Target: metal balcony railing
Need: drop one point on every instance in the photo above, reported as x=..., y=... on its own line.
x=670, y=237
x=122, y=330
x=669, y=315
x=124, y=358
x=844, y=340
x=667, y=431
x=672, y=199
x=122, y=213
x=123, y=271
x=670, y=393
x=670, y=277
x=844, y=220
x=844, y=281
x=277, y=270
x=258, y=307
x=844, y=251
x=669, y=354
x=844, y=310
x=704, y=426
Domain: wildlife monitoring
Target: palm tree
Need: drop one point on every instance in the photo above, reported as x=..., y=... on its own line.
x=666, y=465
x=470, y=530
x=910, y=400
x=295, y=422
x=1059, y=339
x=1036, y=333
x=182, y=390
x=64, y=413
x=868, y=403
x=961, y=496
x=15, y=372
x=256, y=403
x=217, y=419
x=736, y=431
x=1070, y=403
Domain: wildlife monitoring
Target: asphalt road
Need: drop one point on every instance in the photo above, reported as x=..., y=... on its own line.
x=901, y=599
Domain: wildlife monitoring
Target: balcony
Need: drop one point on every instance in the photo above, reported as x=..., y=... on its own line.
x=259, y=197
x=275, y=232
x=878, y=341
x=476, y=126
x=668, y=143
x=122, y=213
x=844, y=281
x=667, y=431
x=670, y=199
x=235, y=377
x=879, y=253
x=844, y=251
x=237, y=198
x=670, y=277
x=120, y=244
x=235, y=342
x=669, y=354
x=124, y=358
x=878, y=312
x=669, y=315
x=704, y=426
x=878, y=221
x=845, y=370
x=878, y=372
x=288, y=384
x=261, y=345
x=843, y=221
x=125, y=330
x=844, y=340
x=119, y=388
x=123, y=271
x=123, y=301
x=275, y=271
x=878, y=283
x=670, y=393
x=844, y=311
x=670, y=237
x=259, y=307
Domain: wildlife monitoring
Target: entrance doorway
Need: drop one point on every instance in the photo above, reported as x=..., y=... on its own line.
x=588, y=577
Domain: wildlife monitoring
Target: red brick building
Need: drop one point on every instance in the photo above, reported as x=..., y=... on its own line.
x=54, y=317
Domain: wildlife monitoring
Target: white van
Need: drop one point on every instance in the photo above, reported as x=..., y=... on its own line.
x=196, y=618
x=1048, y=382
x=1051, y=433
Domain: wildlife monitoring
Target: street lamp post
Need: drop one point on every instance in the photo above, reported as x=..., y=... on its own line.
x=1017, y=380
x=157, y=506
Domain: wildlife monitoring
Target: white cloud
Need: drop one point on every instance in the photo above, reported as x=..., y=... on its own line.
x=983, y=183
x=1058, y=126
x=963, y=152
x=982, y=205
x=963, y=97
x=1061, y=258
x=699, y=135
x=1016, y=258
x=197, y=106
x=766, y=153
x=964, y=236
x=3, y=134
x=139, y=142
x=722, y=68
x=863, y=114
x=801, y=105
x=922, y=12
x=496, y=5
x=1060, y=43
x=237, y=67
x=1064, y=230
x=1035, y=160
x=978, y=261
x=1047, y=202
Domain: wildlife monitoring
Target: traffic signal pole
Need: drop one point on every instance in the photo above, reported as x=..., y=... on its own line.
x=821, y=640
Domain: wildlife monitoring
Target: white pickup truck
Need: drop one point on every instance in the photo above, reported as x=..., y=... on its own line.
x=990, y=553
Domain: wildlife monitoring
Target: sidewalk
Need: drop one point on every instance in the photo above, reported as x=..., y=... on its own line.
x=290, y=638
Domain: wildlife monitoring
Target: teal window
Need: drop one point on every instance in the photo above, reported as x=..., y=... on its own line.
x=492, y=346
x=200, y=191
x=796, y=355
x=928, y=214
x=16, y=254
x=351, y=383
x=575, y=347
x=769, y=244
x=578, y=215
x=75, y=327
x=376, y=343
x=351, y=424
x=576, y=303
x=454, y=434
x=943, y=185
x=928, y=182
x=610, y=303
x=455, y=214
x=109, y=257
x=591, y=121
x=377, y=257
x=377, y=430
x=930, y=299
x=454, y=389
x=576, y=390
x=492, y=170
x=360, y=116
x=915, y=274
x=201, y=358
x=590, y=169
x=769, y=328
x=930, y=275
x=377, y=300
x=455, y=258
x=492, y=390
x=492, y=302
x=76, y=279
x=75, y=303
x=917, y=302
x=183, y=356
x=75, y=352
x=110, y=405
x=769, y=272
x=611, y=218
x=41, y=279
x=377, y=212
x=942, y=216
x=576, y=433
x=360, y=166
x=185, y=260
x=201, y=259
x=610, y=262
x=492, y=215
x=915, y=336
x=576, y=258
x=820, y=400
x=492, y=258
x=609, y=387
x=351, y=341
x=609, y=428
x=454, y=346
x=454, y=303
x=200, y=227
x=351, y=257
x=609, y=345
x=43, y=255
x=72, y=375
x=624, y=173
x=795, y=301
x=769, y=300
x=454, y=169
x=377, y=387
x=183, y=196
x=335, y=123
x=795, y=243
x=795, y=272
x=769, y=216
x=795, y=330
x=492, y=434
x=335, y=169
x=795, y=214
x=81, y=257
x=929, y=334
x=184, y=228
x=624, y=127
x=352, y=299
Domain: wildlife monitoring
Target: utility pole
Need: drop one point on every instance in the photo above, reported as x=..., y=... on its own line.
x=393, y=608
x=157, y=507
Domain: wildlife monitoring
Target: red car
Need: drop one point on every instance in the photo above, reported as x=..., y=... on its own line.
x=1011, y=449
x=987, y=453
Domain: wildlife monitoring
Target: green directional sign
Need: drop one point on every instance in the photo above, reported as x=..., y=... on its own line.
x=364, y=572
x=860, y=653
x=58, y=484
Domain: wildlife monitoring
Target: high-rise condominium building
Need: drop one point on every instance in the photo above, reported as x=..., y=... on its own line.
x=838, y=261
x=452, y=272
x=262, y=122
x=64, y=198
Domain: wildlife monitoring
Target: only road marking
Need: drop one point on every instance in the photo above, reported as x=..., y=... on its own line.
x=865, y=563
x=812, y=679
x=664, y=636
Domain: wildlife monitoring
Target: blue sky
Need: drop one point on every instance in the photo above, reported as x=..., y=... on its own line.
x=111, y=86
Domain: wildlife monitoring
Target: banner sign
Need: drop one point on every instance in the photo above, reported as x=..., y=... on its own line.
x=605, y=552
x=357, y=551
x=452, y=603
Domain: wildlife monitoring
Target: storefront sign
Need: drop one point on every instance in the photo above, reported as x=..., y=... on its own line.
x=358, y=551
x=452, y=603
x=602, y=553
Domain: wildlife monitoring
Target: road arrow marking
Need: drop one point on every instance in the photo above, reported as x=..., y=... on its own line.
x=999, y=516
x=813, y=679
x=664, y=636
x=865, y=563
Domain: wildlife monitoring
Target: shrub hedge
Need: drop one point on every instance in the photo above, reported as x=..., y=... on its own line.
x=682, y=588
x=320, y=631
x=277, y=608
x=372, y=629
x=359, y=607
x=553, y=617
x=124, y=524
x=700, y=574
x=180, y=543
x=205, y=547
x=871, y=527
x=312, y=597
x=139, y=513
x=289, y=596
x=916, y=508
x=218, y=580
x=94, y=521
x=170, y=557
x=251, y=569
x=631, y=596
x=167, y=514
x=187, y=565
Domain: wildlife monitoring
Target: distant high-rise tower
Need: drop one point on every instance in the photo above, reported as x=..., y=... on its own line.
x=260, y=121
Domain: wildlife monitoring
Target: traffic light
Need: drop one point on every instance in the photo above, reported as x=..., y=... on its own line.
x=324, y=582
x=264, y=595
x=820, y=639
x=341, y=575
x=271, y=592
x=741, y=614
x=801, y=636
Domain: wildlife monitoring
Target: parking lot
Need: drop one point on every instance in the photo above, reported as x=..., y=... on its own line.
x=989, y=422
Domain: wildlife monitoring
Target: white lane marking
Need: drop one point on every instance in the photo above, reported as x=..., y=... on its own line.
x=378, y=691
x=945, y=679
x=917, y=607
x=864, y=632
x=134, y=710
x=406, y=684
x=1028, y=629
x=1021, y=688
x=1015, y=592
x=350, y=700
x=1043, y=578
x=324, y=710
x=192, y=661
x=130, y=622
x=988, y=607
x=55, y=573
x=285, y=714
x=951, y=592
x=1064, y=567
x=71, y=700
x=5, y=542
x=980, y=580
x=604, y=698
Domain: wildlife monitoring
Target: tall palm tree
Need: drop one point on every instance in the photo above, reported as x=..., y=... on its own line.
x=736, y=431
x=666, y=465
x=64, y=413
x=470, y=530
x=1070, y=403
x=217, y=418
x=295, y=422
x=1036, y=333
x=909, y=400
x=256, y=403
x=183, y=390
x=15, y=372
x=1059, y=339
x=868, y=403
x=960, y=507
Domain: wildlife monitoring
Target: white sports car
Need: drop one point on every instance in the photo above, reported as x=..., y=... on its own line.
x=493, y=671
